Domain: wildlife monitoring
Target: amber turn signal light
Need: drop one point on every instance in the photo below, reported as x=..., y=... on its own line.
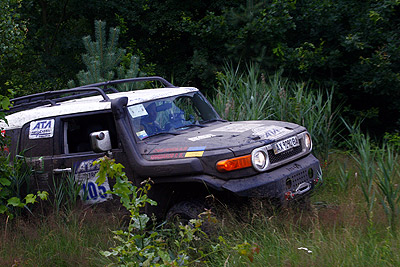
x=234, y=163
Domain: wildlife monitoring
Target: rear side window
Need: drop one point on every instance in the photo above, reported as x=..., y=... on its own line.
x=77, y=131
x=37, y=138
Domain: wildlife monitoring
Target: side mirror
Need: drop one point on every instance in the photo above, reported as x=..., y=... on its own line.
x=100, y=141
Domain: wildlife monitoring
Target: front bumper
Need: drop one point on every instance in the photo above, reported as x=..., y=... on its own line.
x=290, y=181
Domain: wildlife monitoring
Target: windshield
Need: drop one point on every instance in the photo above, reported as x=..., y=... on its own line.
x=170, y=115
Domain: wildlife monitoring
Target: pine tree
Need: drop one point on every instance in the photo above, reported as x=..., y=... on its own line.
x=103, y=60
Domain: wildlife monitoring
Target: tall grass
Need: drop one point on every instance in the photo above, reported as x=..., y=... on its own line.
x=251, y=95
x=285, y=241
x=336, y=233
x=379, y=175
x=387, y=180
x=65, y=193
x=240, y=96
x=55, y=241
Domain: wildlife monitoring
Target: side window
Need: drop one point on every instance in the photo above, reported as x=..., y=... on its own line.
x=37, y=138
x=77, y=131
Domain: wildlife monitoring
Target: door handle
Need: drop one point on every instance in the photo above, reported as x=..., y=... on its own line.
x=66, y=170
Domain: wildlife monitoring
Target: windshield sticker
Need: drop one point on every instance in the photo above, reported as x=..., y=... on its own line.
x=41, y=129
x=266, y=132
x=237, y=127
x=195, y=152
x=137, y=111
x=141, y=134
x=86, y=175
x=201, y=137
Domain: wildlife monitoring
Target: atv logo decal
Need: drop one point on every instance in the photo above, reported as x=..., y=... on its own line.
x=86, y=175
x=195, y=152
x=237, y=127
x=266, y=132
x=41, y=129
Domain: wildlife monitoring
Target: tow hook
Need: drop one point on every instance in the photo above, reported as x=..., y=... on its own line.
x=301, y=189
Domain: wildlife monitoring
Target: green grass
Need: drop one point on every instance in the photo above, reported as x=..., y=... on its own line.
x=73, y=240
x=335, y=230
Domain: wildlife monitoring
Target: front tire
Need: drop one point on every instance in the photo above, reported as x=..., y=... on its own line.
x=185, y=211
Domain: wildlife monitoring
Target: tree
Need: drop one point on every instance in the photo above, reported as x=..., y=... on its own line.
x=12, y=32
x=103, y=59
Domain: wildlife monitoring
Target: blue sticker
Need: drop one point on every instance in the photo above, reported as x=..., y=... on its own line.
x=196, y=148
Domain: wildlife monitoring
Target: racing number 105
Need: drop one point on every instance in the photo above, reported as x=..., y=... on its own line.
x=93, y=191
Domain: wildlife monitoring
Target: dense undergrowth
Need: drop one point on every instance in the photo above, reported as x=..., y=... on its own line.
x=352, y=220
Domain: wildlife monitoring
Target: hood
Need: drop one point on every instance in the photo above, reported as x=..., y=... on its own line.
x=236, y=137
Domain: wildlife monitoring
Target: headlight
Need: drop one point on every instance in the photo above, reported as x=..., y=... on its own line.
x=259, y=159
x=307, y=141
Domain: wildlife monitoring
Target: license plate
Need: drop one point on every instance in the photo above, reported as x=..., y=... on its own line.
x=285, y=145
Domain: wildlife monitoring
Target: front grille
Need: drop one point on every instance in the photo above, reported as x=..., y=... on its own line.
x=284, y=155
x=299, y=178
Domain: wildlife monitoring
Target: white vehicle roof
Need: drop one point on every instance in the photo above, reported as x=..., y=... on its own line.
x=92, y=103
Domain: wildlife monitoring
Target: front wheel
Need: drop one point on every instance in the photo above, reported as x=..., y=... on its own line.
x=185, y=211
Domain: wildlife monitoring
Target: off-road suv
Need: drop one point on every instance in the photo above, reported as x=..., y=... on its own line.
x=170, y=134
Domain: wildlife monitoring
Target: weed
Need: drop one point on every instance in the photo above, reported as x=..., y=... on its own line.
x=141, y=246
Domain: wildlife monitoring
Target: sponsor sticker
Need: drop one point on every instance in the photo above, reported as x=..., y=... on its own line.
x=41, y=129
x=91, y=192
x=167, y=156
x=195, y=152
x=169, y=149
x=201, y=137
x=272, y=131
x=142, y=134
x=237, y=127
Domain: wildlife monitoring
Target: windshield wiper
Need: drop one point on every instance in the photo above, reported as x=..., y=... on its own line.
x=161, y=133
x=213, y=120
x=190, y=125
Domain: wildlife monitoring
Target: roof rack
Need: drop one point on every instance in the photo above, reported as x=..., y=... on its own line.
x=50, y=97
x=45, y=98
x=138, y=79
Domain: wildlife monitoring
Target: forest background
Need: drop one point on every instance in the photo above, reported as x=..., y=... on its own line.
x=300, y=57
x=349, y=45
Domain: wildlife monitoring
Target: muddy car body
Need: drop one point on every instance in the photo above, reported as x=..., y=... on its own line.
x=170, y=134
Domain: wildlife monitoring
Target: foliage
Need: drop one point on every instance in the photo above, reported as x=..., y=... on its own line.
x=253, y=96
x=103, y=59
x=14, y=187
x=142, y=246
x=352, y=45
x=12, y=39
x=12, y=32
